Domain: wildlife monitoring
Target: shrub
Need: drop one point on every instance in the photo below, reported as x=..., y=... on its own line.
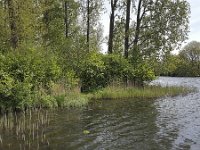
x=92, y=74
x=23, y=73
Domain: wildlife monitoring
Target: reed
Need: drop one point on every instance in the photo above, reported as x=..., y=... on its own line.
x=135, y=92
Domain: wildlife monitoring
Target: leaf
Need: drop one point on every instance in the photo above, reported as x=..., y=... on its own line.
x=86, y=132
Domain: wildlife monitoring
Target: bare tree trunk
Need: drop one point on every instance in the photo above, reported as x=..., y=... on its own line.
x=126, y=39
x=112, y=24
x=88, y=25
x=137, y=31
x=126, y=43
x=13, y=27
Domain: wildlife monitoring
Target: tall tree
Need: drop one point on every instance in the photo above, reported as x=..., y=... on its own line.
x=113, y=5
x=66, y=19
x=90, y=18
x=159, y=27
x=126, y=40
x=191, y=53
x=88, y=25
x=14, y=38
x=137, y=28
x=4, y=27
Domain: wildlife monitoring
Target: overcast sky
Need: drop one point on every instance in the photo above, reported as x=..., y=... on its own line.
x=194, y=20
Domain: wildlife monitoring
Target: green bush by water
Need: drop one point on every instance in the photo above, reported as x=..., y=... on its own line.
x=22, y=76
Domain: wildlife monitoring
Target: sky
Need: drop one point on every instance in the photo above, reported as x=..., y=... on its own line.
x=194, y=20
x=194, y=26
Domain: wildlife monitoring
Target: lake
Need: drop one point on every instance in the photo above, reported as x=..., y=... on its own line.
x=139, y=124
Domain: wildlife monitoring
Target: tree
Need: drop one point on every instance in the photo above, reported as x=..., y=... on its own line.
x=88, y=24
x=4, y=27
x=160, y=27
x=90, y=13
x=66, y=8
x=169, y=64
x=190, y=56
x=113, y=5
x=19, y=23
x=126, y=40
x=191, y=52
x=119, y=36
x=14, y=38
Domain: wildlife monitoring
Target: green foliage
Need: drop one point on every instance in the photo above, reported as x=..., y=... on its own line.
x=143, y=72
x=117, y=67
x=186, y=63
x=190, y=58
x=99, y=70
x=170, y=64
x=23, y=73
x=44, y=51
x=92, y=73
x=72, y=99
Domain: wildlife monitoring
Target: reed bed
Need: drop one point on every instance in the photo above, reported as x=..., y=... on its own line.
x=146, y=92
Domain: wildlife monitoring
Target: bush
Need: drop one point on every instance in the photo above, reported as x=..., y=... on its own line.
x=117, y=67
x=23, y=73
x=100, y=70
x=92, y=74
x=143, y=72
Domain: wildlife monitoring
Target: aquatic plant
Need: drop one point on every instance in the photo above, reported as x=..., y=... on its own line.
x=135, y=92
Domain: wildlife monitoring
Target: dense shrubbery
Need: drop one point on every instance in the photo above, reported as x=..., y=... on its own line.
x=27, y=77
x=100, y=70
x=92, y=74
x=143, y=72
x=22, y=76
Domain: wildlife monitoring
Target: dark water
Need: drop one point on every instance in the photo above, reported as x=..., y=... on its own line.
x=160, y=124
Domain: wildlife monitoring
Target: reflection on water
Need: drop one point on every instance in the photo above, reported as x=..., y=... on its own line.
x=24, y=130
x=167, y=123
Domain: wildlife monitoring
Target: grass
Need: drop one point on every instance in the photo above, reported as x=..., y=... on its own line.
x=77, y=99
x=133, y=92
x=72, y=99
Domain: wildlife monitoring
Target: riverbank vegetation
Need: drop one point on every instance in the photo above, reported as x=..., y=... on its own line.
x=50, y=51
x=148, y=92
x=184, y=64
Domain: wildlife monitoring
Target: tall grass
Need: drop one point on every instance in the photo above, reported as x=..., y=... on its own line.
x=134, y=92
x=72, y=99
x=68, y=97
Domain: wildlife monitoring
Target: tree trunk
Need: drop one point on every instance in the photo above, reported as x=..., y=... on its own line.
x=126, y=43
x=126, y=40
x=13, y=26
x=88, y=25
x=66, y=19
x=137, y=30
x=112, y=24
